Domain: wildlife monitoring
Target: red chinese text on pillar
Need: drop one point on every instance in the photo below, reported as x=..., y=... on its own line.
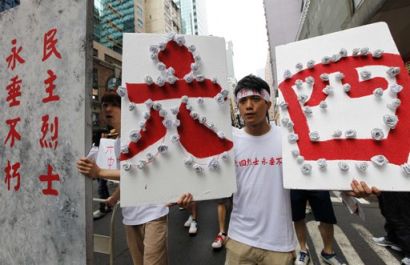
x=49, y=178
x=12, y=173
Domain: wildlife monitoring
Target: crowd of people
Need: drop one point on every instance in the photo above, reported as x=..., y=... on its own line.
x=264, y=216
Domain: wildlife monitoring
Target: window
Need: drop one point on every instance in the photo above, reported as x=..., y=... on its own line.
x=112, y=60
x=95, y=78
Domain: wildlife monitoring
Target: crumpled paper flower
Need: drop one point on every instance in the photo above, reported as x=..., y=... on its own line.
x=189, y=160
x=310, y=80
x=132, y=106
x=161, y=66
x=162, y=148
x=126, y=166
x=154, y=57
x=287, y=74
x=328, y=90
x=310, y=64
x=148, y=79
x=299, y=66
x=134, y=136
x=122, y=91
x=283, y=105
x=214, y=80
x=337, y=133
x=364, y=51
x=377, y=53
x=171, y=79
x=355, y=52
x=220, y=98
x=189, y=78
x=323, y=105
x=326, y=59
x=295, y=153
x=146, y=115
x=300, y=159
x=163, y=113
x=141, y=125
x=362, y=166
x=290, y=126
x=124, y=149
x=299, y=83
x=198, y=169
x=225, y=156
x=194, y=67
x=343, y=166
x=393, y=71
x=365, y=75
x=141, y=164
x=293, y=138
x=177, y=123
x=192, y=48
x=302, y=98
x=285, y=121
x=339, y=76
x=390, y=120
x=162, y=46
x=160, y=81
x=157, y=106
x=194, y=115
x=153, y=48
x=180, y=40
x=149, y=103
x=197, y=58
x=347, y=87
x=200, y=101
x=377, y=134
x=149, y=157
x=394, y=104
x=168, y=123
x=200, y=78
x=306, y=169
x=335, y=58
x=308, y=111
x=175, y=138
x=322, y=163
x=324, y=77
x=343, y=52
x=395, y=89
x=213, y=164
x=378, y=92
x=221, y=134
x=184, y=99
x=351, y=133
x=314, y=136
x=379, y=160
x=225, y=92
x=202, y=119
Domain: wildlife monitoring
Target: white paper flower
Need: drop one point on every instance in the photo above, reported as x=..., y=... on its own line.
x=339, y=76
x=149, y=103
x=225, y=156
x=224, y=92
x=343, y=166
x=377, y=53
x=126, y=166
x=310, y=64
x=194, y=115
x=189, y=78
x=154, y=57
x=175, y=138
x=299, y=66
x=202, y=119
x=189, y=107
x=192, y=48
x=171, y=79
x=378, y=92
x=146, y=115
x=180, y=40
x=194, y=67
x=395, y=89
x=160, y=81
x=189, y=160
x=162, y=148
x=200, y=101
x=221, y=134
x=198, y=169
x=326, y=59
x=377, y=134
x=323, y=105
x=302, y=98
x=351, y=133
x=122, y=91
x=310, y=80
x=287, y=74
x=149, y=157
x=184, y=99
x=163, y=113
x=134, y=136
x=177, y=123
x=285, y=121
x=293, y=138
x=308, y=111
x=290, y=126
x=213, y=164
x=220, y=98
x=200, y=78
x=335, y=58
x=162, y=46
x=283, y=105
x=379, y=160
x=324, y=77
x=343, y=52
x=153, y=48
x=362, y=166
x=299, y=83
x=148, y=79
x=405, y=168
x=390, y=120
x=197, y=58
x=132, y=106
x=124, y=149
x=306, y=169
x=161, y=66
x=300, y=159
x=157, y=106
x=174, y=110
x=314, y=136
x=347, y=87
x=295, y=153
x=337, y=133
x=141, y=164
x=322, y=163
x=394, y=104
x=365, y=75
x=364, y=51
x=355, y=51
x=328, y=90
x=168, y=123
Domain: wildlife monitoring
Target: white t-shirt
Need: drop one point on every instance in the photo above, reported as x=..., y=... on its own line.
x=139, y=214
x=261, y=215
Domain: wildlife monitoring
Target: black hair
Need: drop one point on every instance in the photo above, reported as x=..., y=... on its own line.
x=111, y=97
x=253, y=82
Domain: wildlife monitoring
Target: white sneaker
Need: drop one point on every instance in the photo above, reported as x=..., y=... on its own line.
x=405, y=261
x=188, y=222
x=193, y=228
x=302, y=258
x=219, y=241
x=98, y=214
x=384, y=242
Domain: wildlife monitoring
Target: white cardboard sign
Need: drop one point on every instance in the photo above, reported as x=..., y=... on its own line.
x=345, y=102
x=176, y=133
x=106, y=157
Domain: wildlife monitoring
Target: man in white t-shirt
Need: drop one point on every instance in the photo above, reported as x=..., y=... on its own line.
x=260, y=229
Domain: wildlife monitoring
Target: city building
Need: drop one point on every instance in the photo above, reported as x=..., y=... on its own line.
x=193, y=17
x=7, y=4
x=162, y=16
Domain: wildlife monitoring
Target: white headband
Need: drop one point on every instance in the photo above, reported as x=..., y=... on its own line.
x=246, y=92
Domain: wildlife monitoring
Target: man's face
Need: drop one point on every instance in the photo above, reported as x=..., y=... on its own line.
x=253, y=110
x=112, y=114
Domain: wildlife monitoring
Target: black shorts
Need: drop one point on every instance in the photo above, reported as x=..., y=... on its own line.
x=319, y=201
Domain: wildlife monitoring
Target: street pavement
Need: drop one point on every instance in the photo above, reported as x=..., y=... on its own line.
x=352, y=235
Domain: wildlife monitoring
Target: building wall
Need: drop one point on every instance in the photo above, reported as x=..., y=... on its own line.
x=193, y=17
x=162, y=16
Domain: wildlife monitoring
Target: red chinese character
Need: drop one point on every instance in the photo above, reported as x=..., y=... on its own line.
x=49, y=178
x=15, y=167
x=272, y=161
x=14, y=91
x=50, y=43
x=50, y=87
x=13, y=134
x=14, y=56
x=255, y=161
x=264, y=161
x=248, y=162
x=242, y=163
x=53, y=129
x=279, y=161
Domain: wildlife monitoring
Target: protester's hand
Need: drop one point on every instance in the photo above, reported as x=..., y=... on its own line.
x=185, y=200
x=361, y=189
x=111, y=201
x=88, y=167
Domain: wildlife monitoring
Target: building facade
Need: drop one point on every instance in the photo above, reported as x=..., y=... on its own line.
x=193, y=17
x=162, y=16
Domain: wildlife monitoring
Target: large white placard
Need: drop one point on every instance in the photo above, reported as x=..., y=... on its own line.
x=345, y=102
x=175, y=123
